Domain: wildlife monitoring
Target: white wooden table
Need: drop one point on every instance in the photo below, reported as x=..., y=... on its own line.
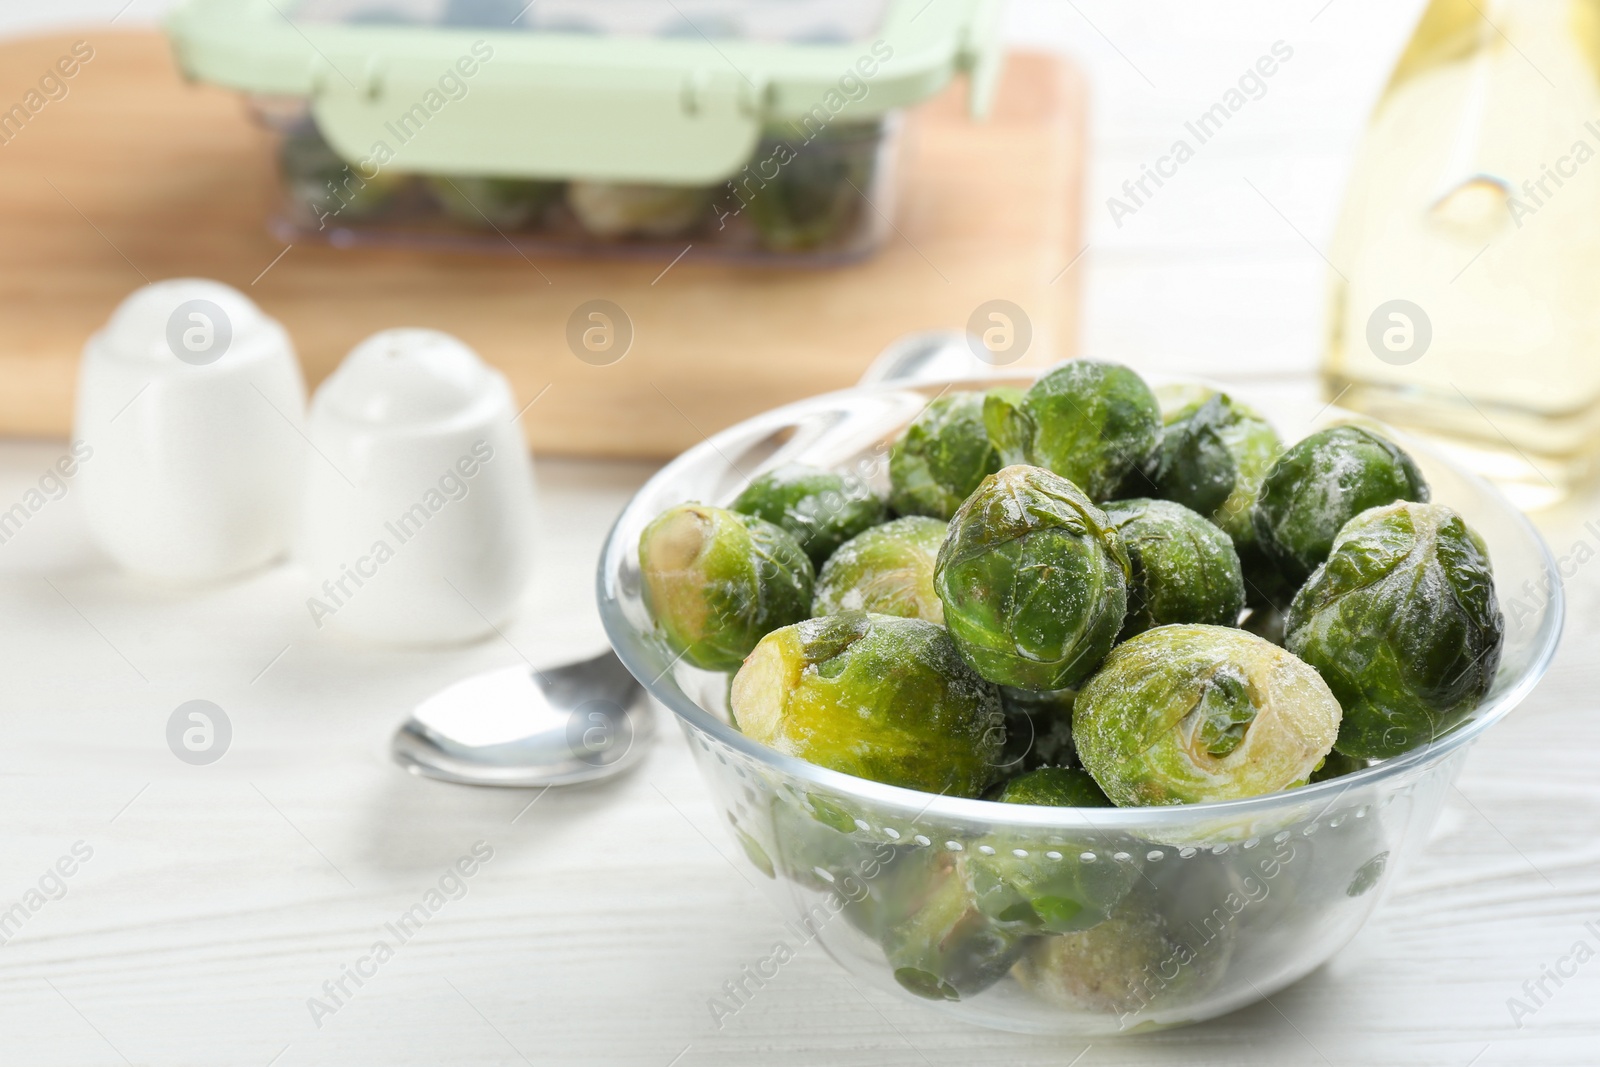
x=215, y=901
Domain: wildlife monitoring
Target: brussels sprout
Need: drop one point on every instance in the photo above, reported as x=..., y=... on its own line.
x=1038, y=729
x=1212, y=458
x=1403, y=623
x=1322, y=483
x=1092, y=423
x=1047, y=883
x=716, y=582
x=1184, y=568
x=1173, y=400
x=1059, y=787
x=876, y=696
x=817, y=844
x=609, y=209
x=939, y=944
x=1033, y=579
x=887, y=569
x=326, y=186
x=1139, y=959
x=1186, y=714
x=493, y=203
x=941, y=457
x=818, y=190
x=822, y=509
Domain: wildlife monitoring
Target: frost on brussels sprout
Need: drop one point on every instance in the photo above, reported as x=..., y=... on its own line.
x=1092, y=423
x=942, y=457
x=1058, y=787
x=1184, y=569
x=887, y=570
x=1038, y=729
x=1322, y=483
x=875, y=696
x=1213, y=456
x=817, y=193
x=493, y=203
x=822, y=509
x=1403, y=623
x=609, y=209
x=1187, y=714
x=1033, y=579
x=938, y=943
x=716, y=582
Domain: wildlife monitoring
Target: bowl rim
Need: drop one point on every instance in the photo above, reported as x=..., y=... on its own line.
x=627, y=642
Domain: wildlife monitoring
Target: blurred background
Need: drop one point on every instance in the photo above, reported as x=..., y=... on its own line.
x=1218, y=255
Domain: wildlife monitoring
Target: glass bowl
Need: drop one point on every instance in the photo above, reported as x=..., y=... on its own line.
x=1159, y=916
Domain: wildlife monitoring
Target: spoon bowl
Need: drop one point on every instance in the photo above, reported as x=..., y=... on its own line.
x=519, y=726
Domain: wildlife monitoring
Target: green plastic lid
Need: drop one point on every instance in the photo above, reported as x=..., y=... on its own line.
x=670, y=91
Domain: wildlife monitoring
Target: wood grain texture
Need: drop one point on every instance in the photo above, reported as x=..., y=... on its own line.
x=136, y=176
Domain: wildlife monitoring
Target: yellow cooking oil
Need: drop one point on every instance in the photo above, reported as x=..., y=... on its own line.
x=1465, y=296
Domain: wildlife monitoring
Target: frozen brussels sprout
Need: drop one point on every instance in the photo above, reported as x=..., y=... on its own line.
x=1184, y=568
x=816, y=843
x=1038, y=729
x=1322, y=483
x=493, y=203
x=875, y=696
x=1092, y=423
x=942, y=457
x=819, y=188
x=1403, y=623
x=1057, y=787
x=939, y=943
x=1141, y=958
x=326, y=187
x=1212, y=458
x=610, y=209
x=1034, y=580
x=822, y=509
x=887, y=570
x=1187, y=714
x=716, y=582
x=1050, y=882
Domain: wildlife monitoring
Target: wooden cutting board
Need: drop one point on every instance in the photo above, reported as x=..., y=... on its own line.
x=135, y=175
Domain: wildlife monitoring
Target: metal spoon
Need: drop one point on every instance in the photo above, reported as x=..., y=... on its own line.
x=520, y=727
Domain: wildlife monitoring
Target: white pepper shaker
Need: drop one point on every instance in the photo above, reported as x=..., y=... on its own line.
x=418, y=525
x=189, y=402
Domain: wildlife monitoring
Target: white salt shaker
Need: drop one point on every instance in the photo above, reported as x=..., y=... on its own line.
x=418, y=524
x=189, y=402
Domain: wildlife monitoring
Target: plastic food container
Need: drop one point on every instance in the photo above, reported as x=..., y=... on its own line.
x=759, y=130
x=1225, y=903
